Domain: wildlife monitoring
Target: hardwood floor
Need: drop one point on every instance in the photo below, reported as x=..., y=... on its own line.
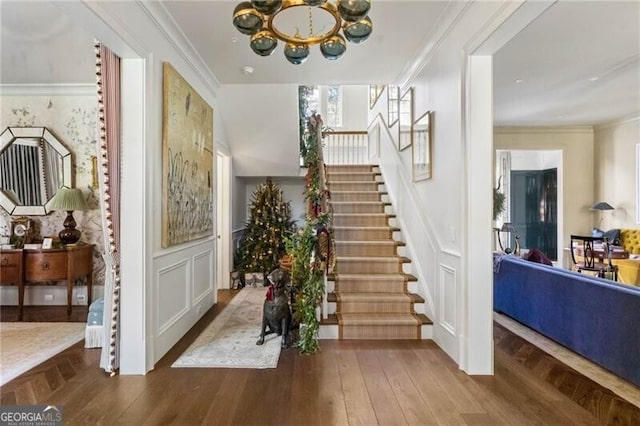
x=347, y=382
x=44, y=314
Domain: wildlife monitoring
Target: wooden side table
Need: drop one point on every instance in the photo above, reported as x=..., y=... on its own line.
x=12, y=273
x=45, y=266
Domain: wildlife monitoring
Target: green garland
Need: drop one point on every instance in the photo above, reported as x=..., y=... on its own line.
x=307, y=274
x=307, y=269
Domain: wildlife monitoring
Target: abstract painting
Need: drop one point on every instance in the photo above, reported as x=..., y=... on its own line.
x=187, y=162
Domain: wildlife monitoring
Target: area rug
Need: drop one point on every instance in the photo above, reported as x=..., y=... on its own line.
x=23, y=345
x=230, y=340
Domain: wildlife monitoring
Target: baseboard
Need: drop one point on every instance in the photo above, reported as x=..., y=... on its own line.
x=48, y=295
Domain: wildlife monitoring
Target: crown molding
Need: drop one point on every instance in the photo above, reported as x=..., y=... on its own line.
x=628, y=119
x=174, y=35
x=48, y=90
x=447, y=20
x=542, y=129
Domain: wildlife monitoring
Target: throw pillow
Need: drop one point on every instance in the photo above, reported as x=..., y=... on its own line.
x=613, y=235
x=536, y=255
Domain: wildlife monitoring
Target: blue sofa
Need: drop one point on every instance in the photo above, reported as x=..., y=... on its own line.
x=596, y=318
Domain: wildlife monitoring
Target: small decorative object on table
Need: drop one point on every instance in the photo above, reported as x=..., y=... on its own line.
x=47, y=243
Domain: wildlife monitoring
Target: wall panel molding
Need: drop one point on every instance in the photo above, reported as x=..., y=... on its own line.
x=202, y=262
x=447, y=300
x=173, y=282
x=48, y=90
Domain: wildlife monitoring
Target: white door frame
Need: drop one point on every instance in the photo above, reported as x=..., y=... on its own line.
x=223, y=221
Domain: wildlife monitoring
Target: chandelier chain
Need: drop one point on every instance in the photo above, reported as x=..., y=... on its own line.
x=310, y=22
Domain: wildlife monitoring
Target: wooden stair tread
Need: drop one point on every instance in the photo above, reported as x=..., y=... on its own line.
x=365, y=214
x=390, y=228
x=415, y=298
x=332, y=319
x=407, y=277
x=371, y=242
x=424, y=319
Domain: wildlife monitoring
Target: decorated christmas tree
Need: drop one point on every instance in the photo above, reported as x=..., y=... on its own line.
x=262, y=244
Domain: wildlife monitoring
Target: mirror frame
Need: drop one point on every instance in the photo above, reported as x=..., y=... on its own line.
x=7, y=137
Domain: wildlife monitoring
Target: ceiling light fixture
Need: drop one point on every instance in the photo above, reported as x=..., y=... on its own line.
x=268, y=21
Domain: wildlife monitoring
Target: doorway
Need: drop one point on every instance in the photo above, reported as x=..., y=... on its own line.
x=223, y=222
x=532, y=182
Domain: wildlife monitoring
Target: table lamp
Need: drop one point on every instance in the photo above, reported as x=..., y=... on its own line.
x=506, y=228
x=601, y=206
x=69, y=199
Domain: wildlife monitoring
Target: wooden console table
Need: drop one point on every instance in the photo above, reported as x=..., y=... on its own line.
x=44, y=266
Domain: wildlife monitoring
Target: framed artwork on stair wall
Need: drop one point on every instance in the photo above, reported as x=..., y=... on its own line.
x=422, y=146
x=375, y=91
x=393, y=99
x=187, y=161
x=405, y=120
x=373, y=140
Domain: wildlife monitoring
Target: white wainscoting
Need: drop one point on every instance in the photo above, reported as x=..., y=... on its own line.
x=202, y=276
x=35, y=295
x=173, y=294
x=447, y=291
x=184, y=290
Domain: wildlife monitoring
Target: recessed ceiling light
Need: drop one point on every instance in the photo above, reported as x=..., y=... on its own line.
x=234, y=40
x=518, y=80
x=594, y=79
x=247, y=70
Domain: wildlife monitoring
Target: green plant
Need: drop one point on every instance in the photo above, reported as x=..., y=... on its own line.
x=498, y=203
x=499, y=199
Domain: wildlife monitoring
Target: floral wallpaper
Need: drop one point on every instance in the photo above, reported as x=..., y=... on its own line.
x=74, y=120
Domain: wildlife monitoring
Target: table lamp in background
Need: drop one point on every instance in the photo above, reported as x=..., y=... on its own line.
x=601, y=206
x=507, y=228
x=69, y=199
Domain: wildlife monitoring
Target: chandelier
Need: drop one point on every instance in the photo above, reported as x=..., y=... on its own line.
x=268, y=21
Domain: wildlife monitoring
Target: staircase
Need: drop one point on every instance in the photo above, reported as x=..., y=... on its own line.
x=369, y=290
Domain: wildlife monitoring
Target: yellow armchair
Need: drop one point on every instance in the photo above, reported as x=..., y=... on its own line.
x=629, y=269
x=630, y=240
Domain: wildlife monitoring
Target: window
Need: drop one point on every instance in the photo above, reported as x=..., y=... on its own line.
x=334, y=106
x=308, y=101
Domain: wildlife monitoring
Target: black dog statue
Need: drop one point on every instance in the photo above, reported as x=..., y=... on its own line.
x=276, y=314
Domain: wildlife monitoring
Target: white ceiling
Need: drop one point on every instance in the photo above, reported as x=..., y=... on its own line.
x=579, y=62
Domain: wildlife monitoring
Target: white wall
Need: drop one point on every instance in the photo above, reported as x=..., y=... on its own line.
x=615, y=176
x=261, y=123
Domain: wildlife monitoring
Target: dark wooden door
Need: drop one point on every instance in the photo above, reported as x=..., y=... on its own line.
x=534, y=213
